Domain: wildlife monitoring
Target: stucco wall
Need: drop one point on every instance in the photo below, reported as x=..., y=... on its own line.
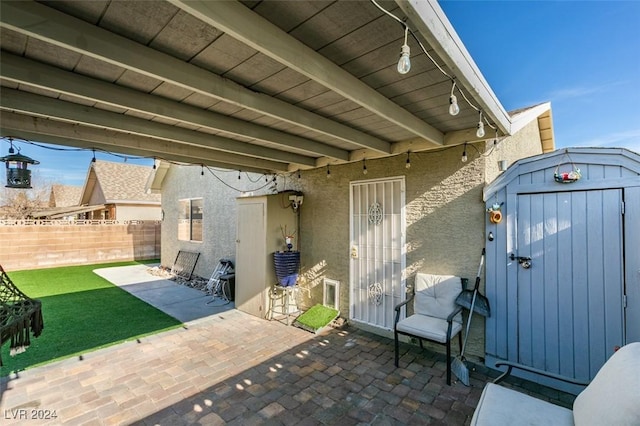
x=525, y=143
x=97, y=195
x=138, y=212
x=219, y=221
x=445, y=215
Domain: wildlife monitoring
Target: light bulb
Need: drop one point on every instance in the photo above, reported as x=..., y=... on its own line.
x=464, y=157
x=480, y=131
x=404, y=63
x=454, y=109
x=364, y=167
x=328, y=173
x=408, y=163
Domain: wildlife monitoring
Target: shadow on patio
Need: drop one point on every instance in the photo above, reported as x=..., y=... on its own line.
x=343, y=377
x=233, y=368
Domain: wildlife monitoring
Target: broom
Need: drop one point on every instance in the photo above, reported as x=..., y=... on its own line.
x=458, y=366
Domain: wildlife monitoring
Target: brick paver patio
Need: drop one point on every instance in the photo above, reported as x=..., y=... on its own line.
x=236, y=369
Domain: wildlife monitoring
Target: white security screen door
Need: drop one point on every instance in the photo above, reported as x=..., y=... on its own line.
x=377, y=250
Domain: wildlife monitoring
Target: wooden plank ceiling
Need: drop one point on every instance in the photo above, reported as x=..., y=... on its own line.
x=265, y=86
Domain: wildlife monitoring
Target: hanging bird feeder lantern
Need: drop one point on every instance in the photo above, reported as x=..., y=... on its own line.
x=18, y=173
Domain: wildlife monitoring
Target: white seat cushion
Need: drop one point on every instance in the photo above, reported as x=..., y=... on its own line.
x=428, y=327
x=502, y=406
x=435, y=295
x=613, y=396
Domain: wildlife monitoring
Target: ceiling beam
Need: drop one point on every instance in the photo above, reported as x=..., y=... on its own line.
x=47, y=24
x=56, y=132
x=33, y=73
x=29, y=103
x=429, y=20
x=241, y=23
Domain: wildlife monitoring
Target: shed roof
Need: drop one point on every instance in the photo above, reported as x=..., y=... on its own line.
x=625, y=162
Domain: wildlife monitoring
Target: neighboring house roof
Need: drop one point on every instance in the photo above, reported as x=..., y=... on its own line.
x=60, y=212
x=154, y=183
x=117, y=183
x=542, y=112
x=65, y=195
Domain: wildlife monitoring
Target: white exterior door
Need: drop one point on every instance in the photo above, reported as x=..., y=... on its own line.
x=570, y=312
x=251, y=257
x=377, y=226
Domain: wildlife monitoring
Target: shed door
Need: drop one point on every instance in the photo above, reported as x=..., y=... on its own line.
x=377, y=251
x=570, y=301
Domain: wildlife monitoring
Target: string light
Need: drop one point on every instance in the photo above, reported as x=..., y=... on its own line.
x=328, y=172
x=404, y=63
x=299, y=176
x=211, y=170
x=364, y=166
x=480, y=131
x=408, y=162
x=93, y=160
x=154, y=163
x=464, y=157
x=238, y=174
x=201, y=169
x=454, y=109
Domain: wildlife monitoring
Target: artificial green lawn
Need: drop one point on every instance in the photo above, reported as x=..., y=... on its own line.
x=82, y=312
x=316, y=318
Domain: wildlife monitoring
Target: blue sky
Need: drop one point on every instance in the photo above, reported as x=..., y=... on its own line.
x=582, y=56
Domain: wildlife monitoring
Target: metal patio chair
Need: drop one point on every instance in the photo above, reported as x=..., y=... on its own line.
x=436, y=316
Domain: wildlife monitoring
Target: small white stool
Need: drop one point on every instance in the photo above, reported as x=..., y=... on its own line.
x=283, y=301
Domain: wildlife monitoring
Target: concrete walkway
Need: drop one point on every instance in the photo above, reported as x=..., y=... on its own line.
x=233, y=368
x=181, y=302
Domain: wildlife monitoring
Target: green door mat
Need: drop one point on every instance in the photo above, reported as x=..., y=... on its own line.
x=316, y=318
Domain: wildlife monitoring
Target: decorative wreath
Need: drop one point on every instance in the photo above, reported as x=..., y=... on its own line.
x=567, y=176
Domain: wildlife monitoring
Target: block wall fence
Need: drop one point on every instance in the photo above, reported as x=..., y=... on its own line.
x=36, y=244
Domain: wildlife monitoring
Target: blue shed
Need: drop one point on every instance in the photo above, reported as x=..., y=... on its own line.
x=563, y=261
